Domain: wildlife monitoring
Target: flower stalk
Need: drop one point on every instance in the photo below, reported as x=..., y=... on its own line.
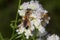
x=13, y=35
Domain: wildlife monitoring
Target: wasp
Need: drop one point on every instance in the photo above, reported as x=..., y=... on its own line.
x=26, y=21
x=45, y=18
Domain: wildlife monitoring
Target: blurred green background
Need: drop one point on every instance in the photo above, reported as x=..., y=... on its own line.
x=8, y=10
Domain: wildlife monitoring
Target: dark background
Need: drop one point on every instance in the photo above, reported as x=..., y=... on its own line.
x=8, y=10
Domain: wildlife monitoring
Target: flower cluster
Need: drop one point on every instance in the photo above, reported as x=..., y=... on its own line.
x=33, y=17
x=53, y=37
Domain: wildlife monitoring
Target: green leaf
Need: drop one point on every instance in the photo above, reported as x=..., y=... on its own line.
x=18, y=36
x=12, y=25
x=13, y=36
x=1, y=37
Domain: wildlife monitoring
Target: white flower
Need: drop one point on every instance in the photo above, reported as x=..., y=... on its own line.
x=32, y=26
x=39, y=13
x=53, y=37
x=24, y=5
x=45, y=11
x=41, y=29
x=34, y=5
x=35, y=18
x=28, y=33
x=21, y=12
x=36, y=22
x=20, y=30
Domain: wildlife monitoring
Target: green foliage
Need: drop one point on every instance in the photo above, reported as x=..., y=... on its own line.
x=1, y=37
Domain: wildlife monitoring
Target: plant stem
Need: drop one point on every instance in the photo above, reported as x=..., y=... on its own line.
x=13, y=36
x=15, y=22
x=17, y=14
x=1, y=37
x=33, y=38
x=23, y=37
